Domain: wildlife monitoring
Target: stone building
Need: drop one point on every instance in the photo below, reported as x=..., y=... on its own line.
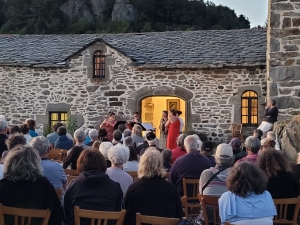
x=217, y=77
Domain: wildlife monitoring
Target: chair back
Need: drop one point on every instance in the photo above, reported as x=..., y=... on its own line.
x=70, y=178
x=62, y=151
x=100, y=216
x=153, y=220
x=213, y=204
x=184, y=206
x=59, y=193
x=55, y=156
x=191, y=190
x=282, y=209
x=21, y=215
x=70, y=172
x=237, y=131
x=134, y=175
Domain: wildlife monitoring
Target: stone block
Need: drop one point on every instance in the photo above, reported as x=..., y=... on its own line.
x=275, y=20
x=42, y=119
x=91, y=88
x=274, y=45
x=285, y=91
x=286, y=22
x=292, y=48
x=195, y=118
x=296, y=22
x=289, y=62
x=121, y=86
x=286, y=102
x=281, y=6
x=114, y=93
x=116, y=104
x=113, y=99
x=284, y=73
x=110, y=61
x=273, y=89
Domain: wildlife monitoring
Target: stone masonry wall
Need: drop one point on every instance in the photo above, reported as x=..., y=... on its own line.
x=25, y=92
x=283, y=58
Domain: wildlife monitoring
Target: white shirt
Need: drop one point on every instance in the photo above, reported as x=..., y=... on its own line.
x=1, y=171
x=28, y=138
x=181, y=124
x=131, y=166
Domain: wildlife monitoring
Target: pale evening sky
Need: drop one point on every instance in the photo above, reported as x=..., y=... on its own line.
x=255, y=10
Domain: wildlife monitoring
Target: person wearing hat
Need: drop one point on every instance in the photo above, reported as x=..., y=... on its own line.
x=207, y=150
x=153, y=142
x=237, y=149
x=213, y=180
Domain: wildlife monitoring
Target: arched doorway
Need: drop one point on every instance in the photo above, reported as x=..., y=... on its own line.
x=152, y=107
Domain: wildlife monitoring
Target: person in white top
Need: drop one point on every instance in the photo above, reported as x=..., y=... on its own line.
x=24, y=129
x=181, y=121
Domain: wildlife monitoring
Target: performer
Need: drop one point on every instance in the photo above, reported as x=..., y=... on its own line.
x=270, y=116
x=173, y=126
x=163, y=130
x=109, y=124
x=135, y=119
x=181, y=121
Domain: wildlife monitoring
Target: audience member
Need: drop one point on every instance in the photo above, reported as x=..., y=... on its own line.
x=51, y=170
x=127, y=133
x=79, y=137
x=53, y=136
x=258, y=133
x=63, y=142
x=104, y=148
x=102, y=133
x=191, y=165
x=31, y=125
x=128, y=141
x=25, y=131
x=153, y=142
x=92, y=190
x=122, y=128
x=14, y=130
x=151, y=195
x=93, y=134
x=132, y=164
x=24, y=186
x=267, y=143
x=3, y=136
x=272, y=136
x=117, y=137
x=207, y=149
x=247, y=199
x=142, y=146
x=213, y=180
x=72, y=159
x=118, y=155
x=96, y=145
x=252, y=145
x=281, y=183
x=167, y=158
x=87, y=138
x=137, y=135
x=179, y=151
x=238, y=151
x=14, y=140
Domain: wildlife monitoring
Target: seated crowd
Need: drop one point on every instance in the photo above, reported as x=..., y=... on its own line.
x=246, y=178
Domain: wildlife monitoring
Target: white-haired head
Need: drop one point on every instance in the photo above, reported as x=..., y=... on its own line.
x=93, y=134
x=104, y=148
x=191, y=143
x=79, y=136
x=118, y=154
x=2, y=118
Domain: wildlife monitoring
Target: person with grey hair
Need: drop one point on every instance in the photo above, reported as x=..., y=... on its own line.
x=270, y=116
x=51, y=170
x=190, y=165
x=118, y=155
x=127, y=133
x=3, y=136
x=128, y=141
x=252, y=145
x=272, y=136
x=93, y=134
x=79, y=138
x=63, y=142
x=24, y=185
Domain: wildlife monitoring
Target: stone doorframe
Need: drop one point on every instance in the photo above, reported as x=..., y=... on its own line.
x=236, y=102
x=134, y=104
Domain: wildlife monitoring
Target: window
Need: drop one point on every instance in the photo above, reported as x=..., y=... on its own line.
x=250, y=108
x=99, y=65
x=58, y=117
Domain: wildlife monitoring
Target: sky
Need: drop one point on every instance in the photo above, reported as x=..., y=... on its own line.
x=255, y=10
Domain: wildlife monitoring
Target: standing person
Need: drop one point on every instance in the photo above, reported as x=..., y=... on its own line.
x=270, y=116
x=181, y=121
x=173, y=126
x=109, y=124
x=136, y=117
x=31, y=125
x=163, y=130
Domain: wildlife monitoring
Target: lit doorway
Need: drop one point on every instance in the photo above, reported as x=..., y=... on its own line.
x=152, y=107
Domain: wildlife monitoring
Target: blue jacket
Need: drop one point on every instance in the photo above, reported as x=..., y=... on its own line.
x=63, y=142
x=33, y=133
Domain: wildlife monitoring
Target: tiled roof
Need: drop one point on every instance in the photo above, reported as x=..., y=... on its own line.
x=218, y=48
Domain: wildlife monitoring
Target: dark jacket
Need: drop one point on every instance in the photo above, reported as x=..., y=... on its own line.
x=63, y=142
x=39, y=194
x=92, y=190
x=90, y=143
x=141, y=147
x=296, y=171
x=3, y=147
x=271, y=115
x=190, y=165
x=154, y=197
x=284, y=186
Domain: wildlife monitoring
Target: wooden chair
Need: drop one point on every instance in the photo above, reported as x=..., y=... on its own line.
x=192, y=201
x=185, y=208
x=70, y=178
x=100, y=216
x=153, y=220
x=282, y=207
x=55, y=156
x=237, y=131
x=213, y=203
x=134, y=175
x=59, y=193
x=21, y=215
x=62, y=151
x=70, y=172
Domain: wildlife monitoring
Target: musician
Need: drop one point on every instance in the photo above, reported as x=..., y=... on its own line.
x=135, y=119
x=109, y=124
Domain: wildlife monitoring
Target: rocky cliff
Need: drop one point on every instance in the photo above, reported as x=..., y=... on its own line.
x=123, y=11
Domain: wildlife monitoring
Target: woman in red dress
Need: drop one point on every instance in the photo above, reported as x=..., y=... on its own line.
x=173, y=126
x=109, y=124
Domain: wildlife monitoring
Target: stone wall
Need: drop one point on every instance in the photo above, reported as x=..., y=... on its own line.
x=28, y=92
x=283, y=58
